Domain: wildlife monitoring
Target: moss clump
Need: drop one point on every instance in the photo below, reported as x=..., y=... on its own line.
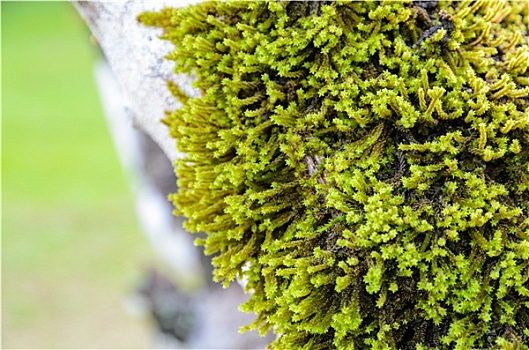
x=363, y=165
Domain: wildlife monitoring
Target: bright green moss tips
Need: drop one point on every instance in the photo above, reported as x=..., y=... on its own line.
x=365, y=165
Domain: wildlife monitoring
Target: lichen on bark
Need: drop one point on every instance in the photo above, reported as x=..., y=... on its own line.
x=363, y=165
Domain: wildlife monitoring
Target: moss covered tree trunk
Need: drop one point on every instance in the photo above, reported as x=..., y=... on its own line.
x=363, y=165
x=132, y=84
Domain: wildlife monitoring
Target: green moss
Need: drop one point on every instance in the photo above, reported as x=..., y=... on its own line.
x=364, y=165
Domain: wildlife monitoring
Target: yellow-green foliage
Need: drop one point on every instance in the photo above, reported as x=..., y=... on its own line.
x=363, y=165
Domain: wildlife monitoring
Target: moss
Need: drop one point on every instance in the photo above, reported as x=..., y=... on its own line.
x=363, y=165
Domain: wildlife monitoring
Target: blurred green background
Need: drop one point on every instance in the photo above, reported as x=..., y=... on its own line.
x=71, y=248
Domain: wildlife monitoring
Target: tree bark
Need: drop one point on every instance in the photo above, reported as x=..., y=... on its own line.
x=134, y=93
x=136, y=56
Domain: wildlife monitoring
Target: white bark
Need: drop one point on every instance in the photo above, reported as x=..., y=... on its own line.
x=135, y=54
x=134, y=93
x=165, y=232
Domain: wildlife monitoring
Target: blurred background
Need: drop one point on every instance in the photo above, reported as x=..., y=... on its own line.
x=72, y=250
